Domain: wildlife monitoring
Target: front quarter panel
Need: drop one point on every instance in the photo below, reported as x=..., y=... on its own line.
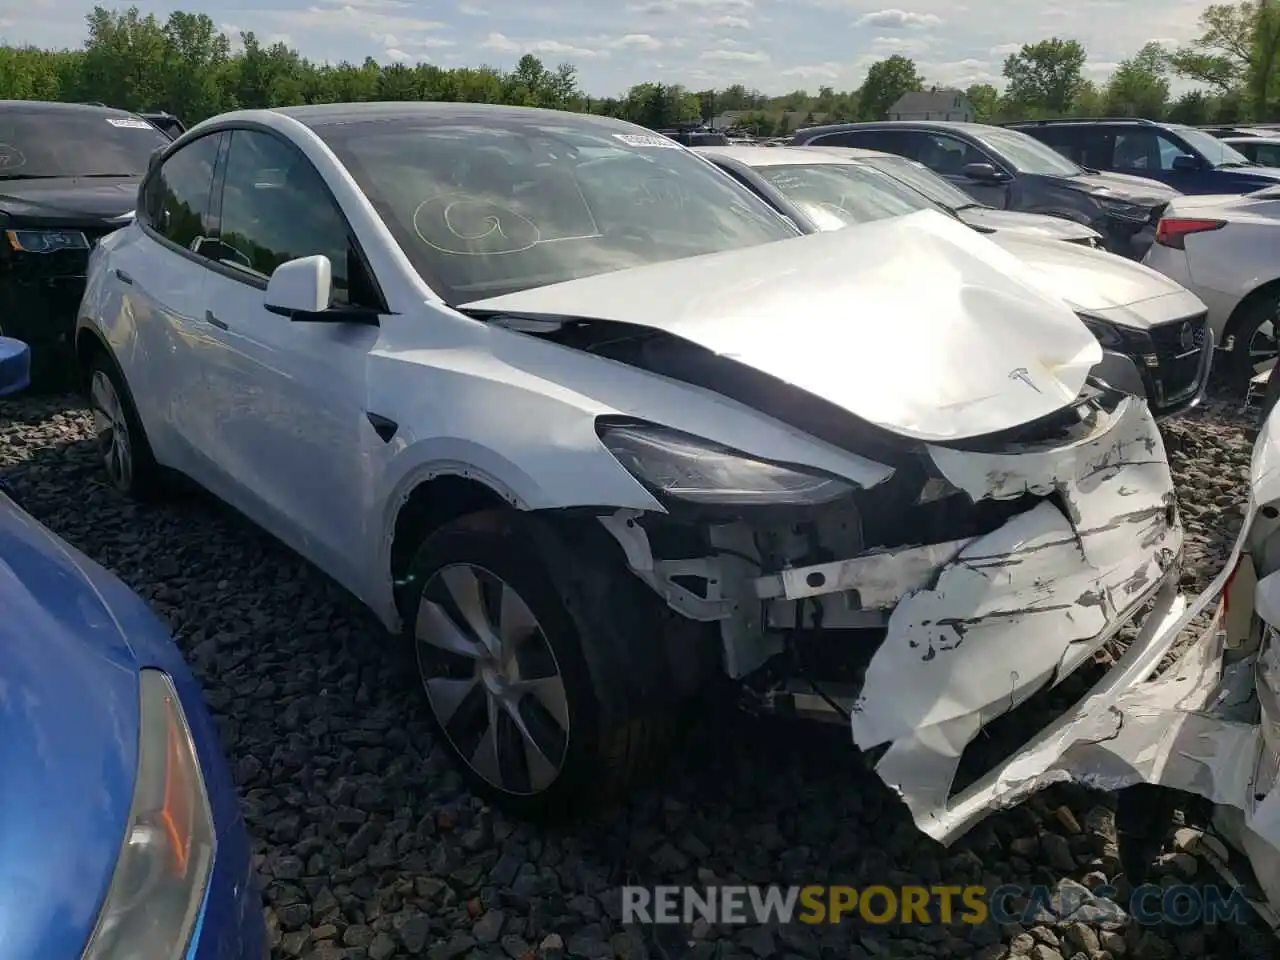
x=518, y=414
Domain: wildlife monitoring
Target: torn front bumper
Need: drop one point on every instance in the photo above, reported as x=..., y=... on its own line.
x=979, y=626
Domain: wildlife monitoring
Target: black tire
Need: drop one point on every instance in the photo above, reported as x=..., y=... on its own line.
x=1239, y=366
x=143, y=479
x=620, y=729
x=1270, y=396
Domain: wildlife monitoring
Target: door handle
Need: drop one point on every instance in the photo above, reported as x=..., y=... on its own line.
x=124, y=277
x=208, y=315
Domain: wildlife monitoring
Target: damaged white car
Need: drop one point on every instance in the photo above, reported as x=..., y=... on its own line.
x=544, y=392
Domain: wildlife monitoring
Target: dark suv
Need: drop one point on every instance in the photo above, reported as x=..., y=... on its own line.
x=1187, y=159
x=1009, y=170
x=69, y=174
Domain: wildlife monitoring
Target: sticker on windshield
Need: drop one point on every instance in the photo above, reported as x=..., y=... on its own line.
x=646, y=140
x=128, y=123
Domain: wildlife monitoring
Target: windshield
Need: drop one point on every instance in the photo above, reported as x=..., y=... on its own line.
x=75, y=143
x=488, y=207
x=921, y=178
x=1027, y=154
x=1218, y=153
x=835, y=195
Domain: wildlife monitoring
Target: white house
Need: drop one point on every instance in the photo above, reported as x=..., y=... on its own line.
x=933, y=105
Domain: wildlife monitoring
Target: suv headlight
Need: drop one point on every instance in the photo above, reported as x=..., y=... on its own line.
x=46, y=241
x=159, y=882
x=1124, y=209
x=1104, y=332
x=687, y=468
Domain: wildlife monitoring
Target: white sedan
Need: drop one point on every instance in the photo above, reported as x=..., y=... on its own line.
x=588, y=423
x=1227, y=250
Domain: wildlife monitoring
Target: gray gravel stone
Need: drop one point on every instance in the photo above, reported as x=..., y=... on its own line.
x=369, y=847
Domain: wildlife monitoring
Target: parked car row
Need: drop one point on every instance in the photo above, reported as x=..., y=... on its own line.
x=870, y=459
x=1181, y=199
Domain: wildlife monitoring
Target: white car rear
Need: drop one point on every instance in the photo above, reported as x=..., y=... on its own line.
x=1227, y=250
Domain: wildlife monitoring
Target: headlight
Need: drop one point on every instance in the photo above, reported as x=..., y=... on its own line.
x=1105, y=333
x=159, y=881
x=1124, y=209
x=46, y=241
x=687, y=468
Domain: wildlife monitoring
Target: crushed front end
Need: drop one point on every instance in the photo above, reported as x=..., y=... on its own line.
x=922, y=608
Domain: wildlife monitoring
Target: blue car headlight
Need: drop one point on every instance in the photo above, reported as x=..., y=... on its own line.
x=159, y=881
x=46, y=241
x=688, y=468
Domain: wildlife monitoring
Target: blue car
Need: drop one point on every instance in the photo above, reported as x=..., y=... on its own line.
x=121, y=836
x=1188, y=159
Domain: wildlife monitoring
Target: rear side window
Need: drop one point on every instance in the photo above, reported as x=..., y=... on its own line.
x=887, y=141
x=176, y=203
x=74, y=143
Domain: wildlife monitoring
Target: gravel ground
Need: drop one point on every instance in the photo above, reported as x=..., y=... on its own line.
x=369, y=847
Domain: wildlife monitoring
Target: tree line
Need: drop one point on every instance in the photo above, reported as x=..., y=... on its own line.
x=186, y=66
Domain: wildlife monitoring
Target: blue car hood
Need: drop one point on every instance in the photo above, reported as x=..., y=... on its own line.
x=68, y=742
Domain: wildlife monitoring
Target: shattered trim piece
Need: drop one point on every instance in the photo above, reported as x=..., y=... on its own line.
x=882, y=579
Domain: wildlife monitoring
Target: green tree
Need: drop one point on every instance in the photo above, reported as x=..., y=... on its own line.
x=1045, y=75
x=1222, y=55
x=886, y=82
x=1139, y=87
x=986, y=101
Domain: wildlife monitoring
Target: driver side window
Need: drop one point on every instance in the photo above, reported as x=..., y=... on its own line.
x=946, y=155
x=275, y=208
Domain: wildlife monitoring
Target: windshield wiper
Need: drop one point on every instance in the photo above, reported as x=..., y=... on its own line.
x=114, y=176
x=968, y=206
x=27, y=176
x=1090, y=170
x=1237, y=163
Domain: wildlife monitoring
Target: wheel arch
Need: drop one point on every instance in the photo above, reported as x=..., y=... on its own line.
x=89, y=343
x=1247, y=303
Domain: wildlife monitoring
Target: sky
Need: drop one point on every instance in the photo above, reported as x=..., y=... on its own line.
x=771, y=45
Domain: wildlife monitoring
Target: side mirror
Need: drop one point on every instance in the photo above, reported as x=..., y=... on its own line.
x=15, y=366
x=300, y=286
x=1184, y=161
x=984, y=172
x=301, y=290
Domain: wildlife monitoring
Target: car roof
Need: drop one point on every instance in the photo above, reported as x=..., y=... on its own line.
x=53, y=106
x=1269, y=136
x=320, y=115
x=780, y=156
x=962, y=126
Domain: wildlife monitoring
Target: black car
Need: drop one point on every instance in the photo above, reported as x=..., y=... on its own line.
x=69, y=175
x=1189, y=160
x=1009, y=170
x=166, y=122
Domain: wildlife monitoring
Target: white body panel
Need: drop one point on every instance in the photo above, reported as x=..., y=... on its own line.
x=1224, y=266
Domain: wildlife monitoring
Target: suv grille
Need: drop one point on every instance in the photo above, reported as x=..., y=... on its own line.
x=1177, y=347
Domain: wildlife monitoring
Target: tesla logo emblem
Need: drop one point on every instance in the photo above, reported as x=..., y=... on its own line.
x=1022, y=374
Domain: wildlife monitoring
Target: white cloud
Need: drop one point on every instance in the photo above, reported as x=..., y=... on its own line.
x=729, y=22
x=551, y=48
x=735, y=56
x=471, y=10
x=893, y=19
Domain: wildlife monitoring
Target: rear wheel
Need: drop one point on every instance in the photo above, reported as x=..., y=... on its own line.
x=509, y=659
x=122, y=444
x=1254, y=343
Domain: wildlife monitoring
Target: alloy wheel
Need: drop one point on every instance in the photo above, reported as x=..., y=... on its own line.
x=492, y=679
x=112, y=430
x=1263, y=347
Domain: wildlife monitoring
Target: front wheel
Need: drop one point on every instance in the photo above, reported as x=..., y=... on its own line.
x=505, y=658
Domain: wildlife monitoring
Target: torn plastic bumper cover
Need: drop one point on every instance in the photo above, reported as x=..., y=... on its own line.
x=979, y=626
